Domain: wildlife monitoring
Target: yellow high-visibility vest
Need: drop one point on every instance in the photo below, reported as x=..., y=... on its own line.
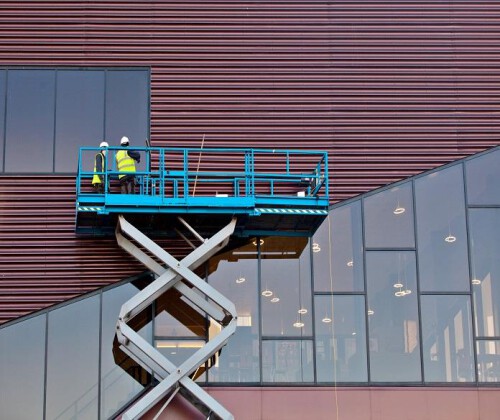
x=124, y=163
x=96, y=178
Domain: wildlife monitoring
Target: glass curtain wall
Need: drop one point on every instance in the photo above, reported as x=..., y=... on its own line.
x=22, y=363
x=51, y=113
x=483, y=196
x=428, y=251
x=393, y=327
x=65, y=363
x=235, y=275
x=286, y=310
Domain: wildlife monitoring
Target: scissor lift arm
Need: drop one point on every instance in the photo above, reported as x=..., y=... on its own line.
x=180, y=275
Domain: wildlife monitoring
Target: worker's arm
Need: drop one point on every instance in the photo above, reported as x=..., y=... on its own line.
x=98, y=165
x=134, y=154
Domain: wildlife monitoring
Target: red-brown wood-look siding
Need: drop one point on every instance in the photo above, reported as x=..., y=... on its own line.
x=389, y=88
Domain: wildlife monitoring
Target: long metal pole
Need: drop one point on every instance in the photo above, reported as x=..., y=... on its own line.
x=199, y=160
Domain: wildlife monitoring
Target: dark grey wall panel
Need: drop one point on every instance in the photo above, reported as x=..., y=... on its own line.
x=29, y=134
x=79, y=115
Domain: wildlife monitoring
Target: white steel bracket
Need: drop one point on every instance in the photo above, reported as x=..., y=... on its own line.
x=179, y=275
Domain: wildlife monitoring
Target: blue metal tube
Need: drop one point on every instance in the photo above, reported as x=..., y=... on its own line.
x=185, y=166
x=326, y=176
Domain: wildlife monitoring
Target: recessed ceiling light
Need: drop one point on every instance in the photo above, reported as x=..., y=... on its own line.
x=370, y=312
x=399, y=210
x=316, y=247
x=398, y=285
x=267, y=293
x=302, y=311
x=240, y=280
x=298, y=324
x=476, y=281
x=399, y=294
x=450, y=239
x=275, y=299
x=350, y=263
x=326, y=320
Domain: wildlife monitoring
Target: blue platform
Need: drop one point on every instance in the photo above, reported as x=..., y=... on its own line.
x=273, y=192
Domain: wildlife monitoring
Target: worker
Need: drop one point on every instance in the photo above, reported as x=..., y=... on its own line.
x=125, y=162
x=98, y=180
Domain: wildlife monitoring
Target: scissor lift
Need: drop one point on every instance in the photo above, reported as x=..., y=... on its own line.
x=274, y=192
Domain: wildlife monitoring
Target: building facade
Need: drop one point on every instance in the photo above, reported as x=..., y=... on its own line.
x=397, y=288
x=388, y=89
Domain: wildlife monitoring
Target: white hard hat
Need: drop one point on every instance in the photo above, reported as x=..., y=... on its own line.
x=104, y=144
x=124, y=140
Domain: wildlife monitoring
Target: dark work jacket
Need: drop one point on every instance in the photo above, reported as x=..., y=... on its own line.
x=99, y=165
x=134, y=154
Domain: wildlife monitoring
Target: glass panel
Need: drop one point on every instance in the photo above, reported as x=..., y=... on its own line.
x=234, y=274
x=178, y=351
x=389, y=218
x=341, y=337
x=22, y=347
x=393, y=321
x=2, y=114
x=483, y=174
x=447, y=339
x=176, y=318
x=79, y=116
x=72, y=360
x=30, y=121
x=442, y=238
x=485, y=259
x=127, y=107
x=167, y=325
x=121, y=378
x=346, y=253
x=287, y=361
x=488, y=360
x=286, y=287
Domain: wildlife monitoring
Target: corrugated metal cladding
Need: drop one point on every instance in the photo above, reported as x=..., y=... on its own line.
x=390, y=88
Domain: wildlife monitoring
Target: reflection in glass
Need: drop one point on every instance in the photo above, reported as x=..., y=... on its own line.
x=442, y=239
x=483, y=174
x=79, y=116
x=447, y=339
x=393, y=323
x=344, y=259
x=176, y=318
x=287, y=361
x=2, y=115
x=234, y=274
x=179, y=351
x=484, y=227
x=167, y=325
x=488, y=360
x=389, y=218
x=22, y=362
x=30, y=121
x=121, y=378
x=340, y=335
x=127, y=106
x=286, y=287
x=72, y=358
